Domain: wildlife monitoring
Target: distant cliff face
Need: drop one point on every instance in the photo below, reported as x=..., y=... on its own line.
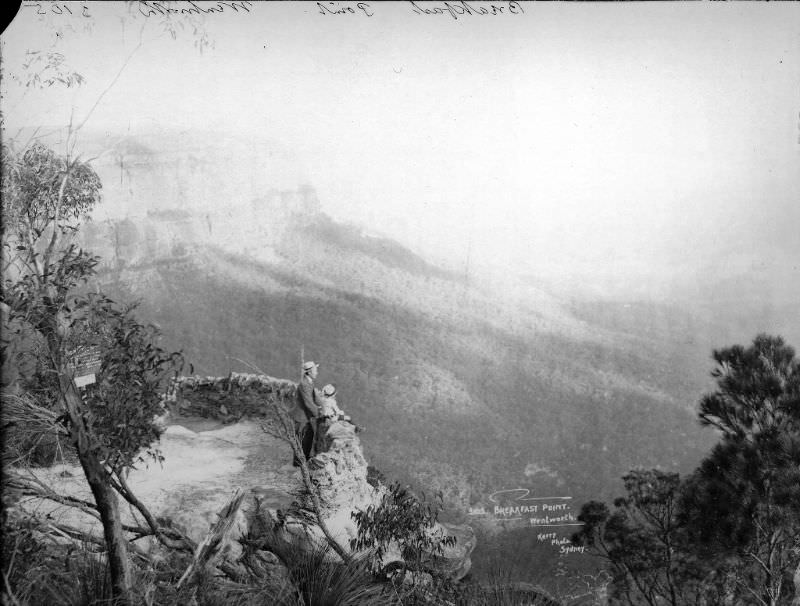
x=200, y=172
x=164, y=192
x=250, y=229
x=171, y=197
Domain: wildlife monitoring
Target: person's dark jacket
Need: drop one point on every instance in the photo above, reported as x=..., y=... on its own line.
x=305, y=407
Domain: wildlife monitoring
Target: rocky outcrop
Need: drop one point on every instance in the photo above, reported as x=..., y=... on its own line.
x=454, y=562
x=339, y=475
x=338, y=472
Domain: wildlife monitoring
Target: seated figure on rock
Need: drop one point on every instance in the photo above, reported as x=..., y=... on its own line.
x=330, y=413
x=329, y=408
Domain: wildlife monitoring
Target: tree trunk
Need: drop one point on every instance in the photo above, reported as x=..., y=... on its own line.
x=104, y=496
x=108, y=507
x=796, y=600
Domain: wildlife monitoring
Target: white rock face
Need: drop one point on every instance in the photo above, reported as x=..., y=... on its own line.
x=340, y=477
x=340, y=473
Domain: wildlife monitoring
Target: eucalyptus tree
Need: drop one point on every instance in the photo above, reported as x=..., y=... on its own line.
x=51, y=317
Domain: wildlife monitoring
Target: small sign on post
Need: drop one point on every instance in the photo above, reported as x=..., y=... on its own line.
x=85, y=363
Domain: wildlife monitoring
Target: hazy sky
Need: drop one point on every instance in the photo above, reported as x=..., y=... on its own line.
x=612, y=140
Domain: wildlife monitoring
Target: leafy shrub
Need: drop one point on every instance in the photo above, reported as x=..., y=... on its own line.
x=324, y=581
x=39, y=573
x=405, y=519
x=209, y=590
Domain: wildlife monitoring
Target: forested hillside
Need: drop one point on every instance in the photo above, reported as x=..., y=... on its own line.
x=481, y=398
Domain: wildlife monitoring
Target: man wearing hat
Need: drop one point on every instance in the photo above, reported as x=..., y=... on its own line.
x=306, y=410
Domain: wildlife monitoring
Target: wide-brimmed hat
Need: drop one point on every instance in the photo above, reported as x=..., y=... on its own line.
x=309, y=365
x=329, y=390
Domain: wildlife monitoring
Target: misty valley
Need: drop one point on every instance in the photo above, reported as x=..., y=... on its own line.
x=513, y=444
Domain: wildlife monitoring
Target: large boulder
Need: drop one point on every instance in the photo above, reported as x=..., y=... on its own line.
x=454, y=562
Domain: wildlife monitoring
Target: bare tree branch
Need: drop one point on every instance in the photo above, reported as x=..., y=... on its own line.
x=209, y=546
x=114, y=81
x=170, y=538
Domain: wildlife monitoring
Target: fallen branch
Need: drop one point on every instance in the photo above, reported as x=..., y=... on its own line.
x=209, y=546
x=170, y=538
x=31, y=486
x=84, y=538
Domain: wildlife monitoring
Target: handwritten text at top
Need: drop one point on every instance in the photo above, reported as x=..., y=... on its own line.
x=152, y=8
x=455, y=9
x=53, y=8
x=464, y=8
x=190, y=7
x=338, y=8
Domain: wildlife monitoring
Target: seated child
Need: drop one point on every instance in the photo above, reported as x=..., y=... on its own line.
x=331, y=413
x=330, y=410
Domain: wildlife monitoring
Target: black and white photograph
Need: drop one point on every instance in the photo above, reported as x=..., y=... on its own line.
x=420, y=303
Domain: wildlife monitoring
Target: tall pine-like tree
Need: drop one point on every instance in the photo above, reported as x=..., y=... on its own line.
x=743, y=502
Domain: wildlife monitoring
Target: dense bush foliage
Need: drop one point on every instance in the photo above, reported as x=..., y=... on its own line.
x=405, y=520
x=730, y=532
